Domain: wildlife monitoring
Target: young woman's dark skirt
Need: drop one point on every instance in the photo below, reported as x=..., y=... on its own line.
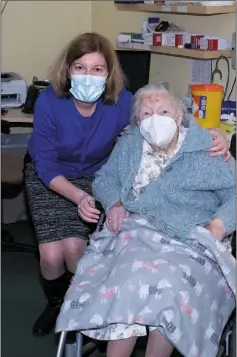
x=54, y=217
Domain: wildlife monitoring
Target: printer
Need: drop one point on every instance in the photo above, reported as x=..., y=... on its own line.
x=13, y=90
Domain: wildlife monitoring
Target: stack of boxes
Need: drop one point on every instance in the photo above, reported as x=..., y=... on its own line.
x=195, y=41
x=149, y=37
x=173, y=39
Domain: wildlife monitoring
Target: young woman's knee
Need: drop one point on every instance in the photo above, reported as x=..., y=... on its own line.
x=73, y=249
x=51, y=259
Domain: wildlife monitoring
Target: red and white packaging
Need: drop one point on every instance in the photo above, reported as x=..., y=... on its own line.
x=209, y=43
x=181, y=38
x=196, y=41
x=178, y=39
x=157, y=39
x=164, y=39
x=173, y=39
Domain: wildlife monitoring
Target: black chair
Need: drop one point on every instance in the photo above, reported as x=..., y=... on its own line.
x=12, y=183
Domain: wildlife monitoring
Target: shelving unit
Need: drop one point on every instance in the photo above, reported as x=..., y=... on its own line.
x=192, y=10
x=182, y=52
x=179, y=9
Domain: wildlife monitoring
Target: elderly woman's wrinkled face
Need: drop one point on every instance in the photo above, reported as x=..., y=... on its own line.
x=157, y=103
x=159, y=119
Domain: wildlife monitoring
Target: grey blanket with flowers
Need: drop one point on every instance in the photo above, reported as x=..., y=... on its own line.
x=143, y=279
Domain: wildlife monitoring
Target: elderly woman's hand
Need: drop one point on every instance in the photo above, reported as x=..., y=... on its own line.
x=87, y=209
x=115, y=217
x=216, y=228
x=220, y=144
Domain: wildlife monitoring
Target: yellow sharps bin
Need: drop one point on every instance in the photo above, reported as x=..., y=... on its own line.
x=206, y=104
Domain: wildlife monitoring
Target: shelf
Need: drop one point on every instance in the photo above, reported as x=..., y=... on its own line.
x=179, y=9
x=183, y=52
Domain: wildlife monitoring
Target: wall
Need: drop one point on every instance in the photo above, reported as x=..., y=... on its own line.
x=34, y=32
x=163, y=68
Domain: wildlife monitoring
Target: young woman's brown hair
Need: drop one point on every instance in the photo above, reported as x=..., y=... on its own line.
x=80, y=46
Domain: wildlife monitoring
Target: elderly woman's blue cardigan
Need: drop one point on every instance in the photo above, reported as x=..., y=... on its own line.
x=191, y=191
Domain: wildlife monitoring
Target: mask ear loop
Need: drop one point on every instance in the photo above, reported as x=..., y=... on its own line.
x=176, y=115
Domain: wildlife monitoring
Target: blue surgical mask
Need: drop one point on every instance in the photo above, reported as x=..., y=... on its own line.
x=87, y=88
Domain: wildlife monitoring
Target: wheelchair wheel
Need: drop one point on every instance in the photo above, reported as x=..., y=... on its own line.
x=233, y=341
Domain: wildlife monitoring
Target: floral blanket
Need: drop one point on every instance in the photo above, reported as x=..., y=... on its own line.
x=143, y=279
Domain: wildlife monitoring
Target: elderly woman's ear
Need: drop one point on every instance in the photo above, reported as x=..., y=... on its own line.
x=179, y=117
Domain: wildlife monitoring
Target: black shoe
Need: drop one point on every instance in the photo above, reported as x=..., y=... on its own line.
x=55, y=291
x=46, y=322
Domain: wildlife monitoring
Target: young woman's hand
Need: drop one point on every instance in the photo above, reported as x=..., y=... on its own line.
x=216, y=228
x=87, y=210
x=220, y=144
x=115, y=217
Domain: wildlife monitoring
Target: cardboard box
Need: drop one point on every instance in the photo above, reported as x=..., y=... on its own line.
x=209, y=43
x=137, y=45
x=171, y=38
x=168, y=39
x=148, y=39
x=157, y=39
x=181, y=38
x=196, y=41
x=164, y=39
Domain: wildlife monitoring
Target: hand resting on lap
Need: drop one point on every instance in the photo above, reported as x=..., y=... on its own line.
x=115, y=217
x=87, y=209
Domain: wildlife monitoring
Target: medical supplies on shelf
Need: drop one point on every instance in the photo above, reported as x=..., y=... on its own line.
x=132, y=40
x=162, y=33
x=174, y=39
x=177, y=2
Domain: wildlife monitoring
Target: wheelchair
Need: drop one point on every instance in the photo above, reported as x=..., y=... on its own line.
x=75, y=348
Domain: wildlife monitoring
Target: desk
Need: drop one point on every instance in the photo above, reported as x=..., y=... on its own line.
x=16, y=117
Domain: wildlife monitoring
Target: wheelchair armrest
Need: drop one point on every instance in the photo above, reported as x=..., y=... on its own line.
x=102, y=216
x=98, y=206
x=233, y=146
x=233, y=244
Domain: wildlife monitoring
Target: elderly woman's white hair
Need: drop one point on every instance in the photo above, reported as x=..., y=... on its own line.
x=154, y=88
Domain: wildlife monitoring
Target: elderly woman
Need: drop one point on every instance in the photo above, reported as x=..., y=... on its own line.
x=162, y=262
